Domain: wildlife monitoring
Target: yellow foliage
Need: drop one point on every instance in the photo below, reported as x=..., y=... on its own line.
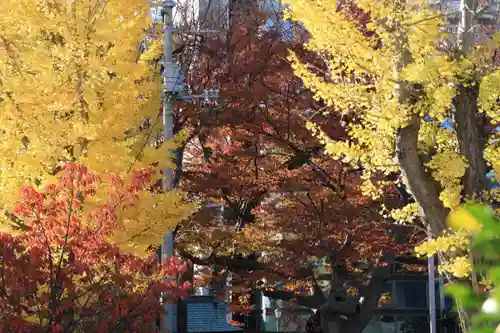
x=492, y=155
x=374, y=105
x=455, y=244
x=161, y=211
x=155, y=50
x=71, y=85
x=488, y=100
x=463, y=219
x=405, y=214
x=459, y=266
x=449, y=242
x=448, y=168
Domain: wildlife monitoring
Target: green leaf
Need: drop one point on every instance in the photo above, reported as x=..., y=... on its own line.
x=483, y=330
x=464, y=294
x=482, y=212
x=486, y=320
x=494, y=273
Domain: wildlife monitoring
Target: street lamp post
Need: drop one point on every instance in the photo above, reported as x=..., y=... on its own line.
x=277, y=314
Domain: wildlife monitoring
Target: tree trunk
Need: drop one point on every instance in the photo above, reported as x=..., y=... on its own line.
x=340, y=325
x=470, y=127
x=340, y=312
x=417, y=179
x=419, y=182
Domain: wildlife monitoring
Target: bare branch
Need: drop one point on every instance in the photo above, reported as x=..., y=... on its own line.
x=313, y=302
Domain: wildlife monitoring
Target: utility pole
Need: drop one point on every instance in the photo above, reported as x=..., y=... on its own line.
x=174, y=89
x=169, y=85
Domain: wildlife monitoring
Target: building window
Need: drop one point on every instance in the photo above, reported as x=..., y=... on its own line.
x=411, y=294
x=398, y=324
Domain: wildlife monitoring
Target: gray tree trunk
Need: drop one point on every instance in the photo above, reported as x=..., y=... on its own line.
x=341, y=312
x=340, y=325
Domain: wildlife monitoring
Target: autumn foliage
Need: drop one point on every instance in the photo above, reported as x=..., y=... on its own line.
x=75, y=88
x=253, y=154
x=275, y=204
x=61, y=274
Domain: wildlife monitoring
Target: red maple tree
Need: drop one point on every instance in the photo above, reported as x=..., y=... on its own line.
x=60, y=273
x=283, y=202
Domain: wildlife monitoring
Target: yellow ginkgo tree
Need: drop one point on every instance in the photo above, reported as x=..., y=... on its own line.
x=73, y=87
x=414, y=101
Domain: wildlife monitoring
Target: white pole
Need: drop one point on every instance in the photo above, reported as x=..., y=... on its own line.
x=168, y=109
x=432, y=294
x=167, y=248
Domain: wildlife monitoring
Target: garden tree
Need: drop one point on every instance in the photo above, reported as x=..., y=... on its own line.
x=305, y=220
x=72, y=88
x=415, y=82
x=60, y=275
x=282, y=197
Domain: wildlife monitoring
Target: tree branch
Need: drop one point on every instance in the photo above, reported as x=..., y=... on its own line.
x=374, y=289
x=419, y=182
x=313, y=302
x=235, y=264
x=226, y=261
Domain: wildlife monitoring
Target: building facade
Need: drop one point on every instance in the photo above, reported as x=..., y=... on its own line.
x=486, y=21
x=202, y=15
